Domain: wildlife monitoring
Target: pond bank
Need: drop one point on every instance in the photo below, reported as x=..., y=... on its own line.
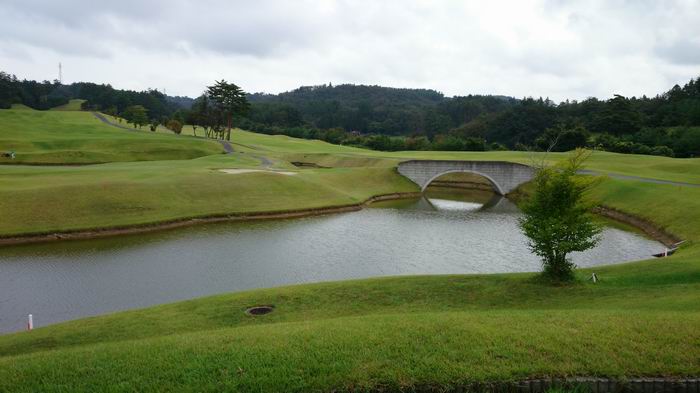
x=649, y=228
x=184, y=222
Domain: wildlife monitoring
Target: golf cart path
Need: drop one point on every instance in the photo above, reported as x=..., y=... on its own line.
x=225, y=144
x=638, y=178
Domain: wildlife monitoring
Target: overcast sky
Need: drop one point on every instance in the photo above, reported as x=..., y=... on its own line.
x=557, y=49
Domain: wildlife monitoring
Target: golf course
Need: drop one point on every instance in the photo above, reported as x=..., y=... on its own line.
x=75, y=176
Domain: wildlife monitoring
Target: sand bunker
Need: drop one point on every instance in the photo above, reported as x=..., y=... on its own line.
x=239, y=171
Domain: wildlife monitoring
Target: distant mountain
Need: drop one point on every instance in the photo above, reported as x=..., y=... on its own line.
x=182, y=102
x=353, y=96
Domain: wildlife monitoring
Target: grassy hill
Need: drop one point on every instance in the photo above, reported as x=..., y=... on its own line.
x=72, y=105
x=73, y=137
x=432, y=332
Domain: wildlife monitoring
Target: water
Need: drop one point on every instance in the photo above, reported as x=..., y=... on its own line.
x=474, y=233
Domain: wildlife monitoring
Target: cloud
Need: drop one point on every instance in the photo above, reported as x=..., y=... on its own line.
x=555, y=48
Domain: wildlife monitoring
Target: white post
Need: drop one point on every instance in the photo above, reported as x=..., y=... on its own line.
x=594, y=278
x=30, y=323
x=666, y=252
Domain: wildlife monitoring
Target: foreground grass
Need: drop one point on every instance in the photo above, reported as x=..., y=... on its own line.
x=73, y=137
x=353, y=354
x=640, y=320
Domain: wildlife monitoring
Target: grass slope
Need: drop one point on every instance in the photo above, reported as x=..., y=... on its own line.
x=33, y=199
x=72, y=105
x=73, y=137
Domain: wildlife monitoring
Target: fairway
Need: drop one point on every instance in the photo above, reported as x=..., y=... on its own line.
x=73, y=137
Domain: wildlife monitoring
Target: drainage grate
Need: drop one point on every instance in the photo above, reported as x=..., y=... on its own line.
x=259, y=310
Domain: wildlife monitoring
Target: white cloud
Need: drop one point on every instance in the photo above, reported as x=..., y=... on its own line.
x=558, y=49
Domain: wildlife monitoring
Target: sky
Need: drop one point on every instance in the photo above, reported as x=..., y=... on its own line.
x=541, y=48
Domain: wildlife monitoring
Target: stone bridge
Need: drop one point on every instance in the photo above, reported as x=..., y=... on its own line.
x=504, y=176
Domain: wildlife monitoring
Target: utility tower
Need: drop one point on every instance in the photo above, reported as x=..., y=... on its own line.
x=60, y=73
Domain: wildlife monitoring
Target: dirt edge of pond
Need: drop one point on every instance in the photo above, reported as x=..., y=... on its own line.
x=649, y=228
x=189, y=221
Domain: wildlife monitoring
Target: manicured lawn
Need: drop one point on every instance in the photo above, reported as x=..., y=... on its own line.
x=73, y=137
x=50, y=199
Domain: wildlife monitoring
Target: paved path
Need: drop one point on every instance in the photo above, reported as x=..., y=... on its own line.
x=228, y=148
x=638, y=178
x=103, y=119
x=266, y=162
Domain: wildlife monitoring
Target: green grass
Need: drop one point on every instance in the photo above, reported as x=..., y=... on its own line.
x=33, y=199
x=72, y=105
x=73, y=137
x=392, y=333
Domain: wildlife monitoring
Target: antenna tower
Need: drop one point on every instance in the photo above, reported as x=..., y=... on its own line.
x=60, y=73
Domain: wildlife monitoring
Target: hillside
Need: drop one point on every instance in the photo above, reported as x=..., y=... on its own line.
x=67, y=136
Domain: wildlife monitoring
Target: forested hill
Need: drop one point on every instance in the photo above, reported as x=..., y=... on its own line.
x=666, y=124
x=372, y=109
x=352, y=96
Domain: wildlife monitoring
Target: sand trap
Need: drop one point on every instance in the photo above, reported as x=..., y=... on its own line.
x=239, y=171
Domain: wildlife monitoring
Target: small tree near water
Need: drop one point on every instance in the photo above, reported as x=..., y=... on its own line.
x=557, y=218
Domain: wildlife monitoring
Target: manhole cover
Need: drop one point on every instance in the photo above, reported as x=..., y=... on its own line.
x=259, y=310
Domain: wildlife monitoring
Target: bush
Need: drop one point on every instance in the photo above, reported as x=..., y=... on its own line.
x=474, y=144
x=174, y=126
x=566, y=138
x=448, y=143
x=662, y=151
x=498, y=147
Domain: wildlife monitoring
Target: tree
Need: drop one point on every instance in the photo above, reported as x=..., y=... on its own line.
x=556, y=217
x=201, y=114
x=136, y=115
x=154, y=125
x=174, y=126
x=562, y=138
x=229, y=100
x=618, y=117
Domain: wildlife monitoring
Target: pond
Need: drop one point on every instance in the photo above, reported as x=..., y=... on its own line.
x=442, y=233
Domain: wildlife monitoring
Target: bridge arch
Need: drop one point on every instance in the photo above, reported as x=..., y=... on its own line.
x=504, y=176
x=494, y=184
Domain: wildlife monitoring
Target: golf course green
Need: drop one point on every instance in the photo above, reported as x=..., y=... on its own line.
x=641, y=319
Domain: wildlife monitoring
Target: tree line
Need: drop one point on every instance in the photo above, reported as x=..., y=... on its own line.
x=405, y=119
x=384, y=118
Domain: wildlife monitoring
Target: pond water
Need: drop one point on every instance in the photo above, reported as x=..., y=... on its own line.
x=444, y=233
